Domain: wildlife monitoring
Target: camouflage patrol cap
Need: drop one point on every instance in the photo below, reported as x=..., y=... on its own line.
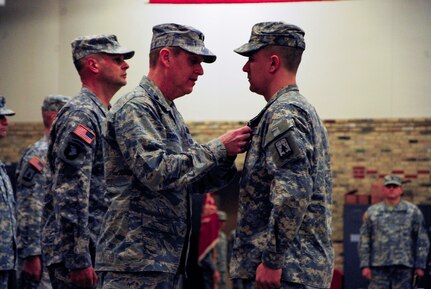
x=3, y=109
x=86, y=45
x=54, y=102
x=273, y=33
x=221, y=216
x=185, y=37
x=392, y=180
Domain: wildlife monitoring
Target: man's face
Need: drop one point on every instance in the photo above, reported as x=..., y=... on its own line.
x=3, y=126
x=113, y=69
x=185, y=70
x=392, y=191
x=256, y=68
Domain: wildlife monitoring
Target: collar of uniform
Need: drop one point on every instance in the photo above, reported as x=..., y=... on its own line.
x=286, y=89
x=255, y=121
x=401, y=206
x=154, y=92
x=94, y=98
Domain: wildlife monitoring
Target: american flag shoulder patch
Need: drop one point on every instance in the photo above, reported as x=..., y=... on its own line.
x=84, y=133
x=37, y=163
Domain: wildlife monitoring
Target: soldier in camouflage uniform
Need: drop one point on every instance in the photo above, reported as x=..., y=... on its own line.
x=221, y=249
x=31, y=186
x=394, y=244
x=153, y=165
x=75, y=203
x=7, y=210
x=283, y=235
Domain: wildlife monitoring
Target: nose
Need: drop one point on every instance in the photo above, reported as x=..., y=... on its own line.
x=125, y=65
x=245, y=68
x=199, y=69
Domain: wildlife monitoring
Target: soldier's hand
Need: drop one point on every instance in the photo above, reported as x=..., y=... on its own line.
x=366, y=273
x=236, y=141
x=419, y=272
x=32, y=266
x=85, y=278
x=267, y=278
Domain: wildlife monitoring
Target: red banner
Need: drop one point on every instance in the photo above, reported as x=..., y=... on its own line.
x=208, y=235
x=224, y=1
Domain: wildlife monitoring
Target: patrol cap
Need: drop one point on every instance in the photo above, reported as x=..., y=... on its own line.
x=221, y=216
x=392, y=180
x=272, y=33
x=3, y=109
x=54, y=102
x=105, y=43
x=185, y=37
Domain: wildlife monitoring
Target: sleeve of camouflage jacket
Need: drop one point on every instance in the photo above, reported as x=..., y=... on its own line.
x=72, y=181
x=422, y=241
x=158, y=162
x=29, y=198
x=290, y=190
x=364, y=248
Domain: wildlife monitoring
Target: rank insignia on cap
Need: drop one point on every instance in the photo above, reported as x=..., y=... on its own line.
x=84, y=133
x=36, y=163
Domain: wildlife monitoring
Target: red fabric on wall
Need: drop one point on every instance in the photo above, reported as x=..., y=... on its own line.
x=224, y=1
x=208, y=235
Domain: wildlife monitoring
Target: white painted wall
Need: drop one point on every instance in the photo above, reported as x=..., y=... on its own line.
x=364, y=58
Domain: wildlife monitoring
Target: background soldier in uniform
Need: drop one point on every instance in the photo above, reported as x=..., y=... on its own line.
x=32, y=177
x=283, y=236
x=153, y=165
x=221, y=249
x=394, y=243
x=7, y=210
x=75, y=158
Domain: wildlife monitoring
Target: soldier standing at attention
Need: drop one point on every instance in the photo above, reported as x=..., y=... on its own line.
x=7, y=210
x=32, y=177
x=283, y=236
x=394, y=243
x=153, y=165
x=76, y=190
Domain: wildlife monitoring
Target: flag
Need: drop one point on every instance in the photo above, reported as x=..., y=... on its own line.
x=208, y=235
x=36, y=163
x=84, y=133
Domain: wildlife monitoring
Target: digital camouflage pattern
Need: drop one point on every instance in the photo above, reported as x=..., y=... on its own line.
x=32, y=176
x=393, y=236
x=142, y=280
x=393, y=277
x=104, y=43
x=7, y=222
x=188, y=38
x=31, y=185
x=152, y=166
x=75, y=203
x=3, y=108
x=273, y=33
x=285, y=202
x=54, y=102
x=221, y=249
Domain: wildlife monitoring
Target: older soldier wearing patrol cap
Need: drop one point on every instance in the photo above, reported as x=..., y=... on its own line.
x=32, y=177
x=394, y=244
x=283, y=236
x=153, y=165
x=76, y=202
x=7, y=210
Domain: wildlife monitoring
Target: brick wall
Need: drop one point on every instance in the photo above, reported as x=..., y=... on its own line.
x=363, y=151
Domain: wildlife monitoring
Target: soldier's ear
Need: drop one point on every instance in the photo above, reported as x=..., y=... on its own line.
x=165, y=57
x=275, y=63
